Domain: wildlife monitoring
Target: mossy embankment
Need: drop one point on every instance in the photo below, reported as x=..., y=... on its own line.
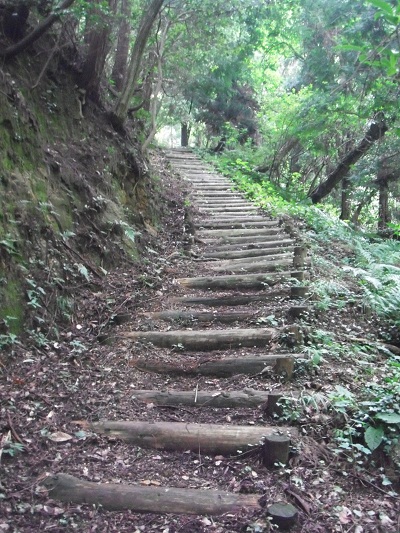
x=75, y=196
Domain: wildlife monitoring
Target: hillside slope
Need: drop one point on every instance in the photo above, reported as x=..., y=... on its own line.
x=76, y=198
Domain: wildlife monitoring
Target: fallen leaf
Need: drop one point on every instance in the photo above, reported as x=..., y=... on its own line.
x=59, y=436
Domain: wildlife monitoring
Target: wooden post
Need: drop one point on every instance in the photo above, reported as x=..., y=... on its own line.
x=299, y=311
x=298, y=291
x=283, y=515
x=300, y=254
x=299, y=275
x=292, y=335
x=271, y=407
x=276, y=450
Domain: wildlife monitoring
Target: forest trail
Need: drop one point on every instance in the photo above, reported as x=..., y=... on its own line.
x=246, y=265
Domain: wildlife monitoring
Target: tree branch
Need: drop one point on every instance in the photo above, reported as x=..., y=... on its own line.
x=15, y=49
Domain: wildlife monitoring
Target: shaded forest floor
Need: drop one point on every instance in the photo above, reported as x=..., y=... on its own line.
x=44, y=390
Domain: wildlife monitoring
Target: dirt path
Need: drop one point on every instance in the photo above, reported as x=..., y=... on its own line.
x=245, y=254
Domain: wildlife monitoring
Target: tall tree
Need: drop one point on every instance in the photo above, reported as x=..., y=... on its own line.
x=122, y=50
x=97, y=35
x=135, y=63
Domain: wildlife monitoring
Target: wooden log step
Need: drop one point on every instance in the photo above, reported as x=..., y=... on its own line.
x=246, y=398
x=212, y=188
x=213, y=224
x=200, y=316
x=252, y=245
x=242, y=232
x=142, y=499
x=222, y=219
x=282, y=364
x=205, y=179
x=225, y=205
x=272, y=259
x=181, y=436
x=237, y=281
x=227, y=196
x=230, y=301
x=254, y=266
x=199, y=174
x=201, y=166
x=248, y=239
x=204, y=340
x=243, y=254
x=248, y=209
x=222, y=201
x=214, y=194
x=178, y=158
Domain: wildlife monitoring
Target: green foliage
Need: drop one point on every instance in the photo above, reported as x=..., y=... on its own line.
x=376, y=418
x=379, y=276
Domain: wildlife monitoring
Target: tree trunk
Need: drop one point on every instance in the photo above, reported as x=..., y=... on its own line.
x=346, y=203
x=122, y=106
x=155, y=102
x=185, y=133
x=121, y=54
x=375, y=132
x=97, y=39
x=40, y=30
x=363, y=203
x=119, y=497
x=384, y=215
x=182, y=436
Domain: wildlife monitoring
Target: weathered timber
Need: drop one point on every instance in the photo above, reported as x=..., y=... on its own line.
x=249, y=398
x=238, y=240
x=273, y=405
x=222, y=201
x=214, y=194
x=120, y=497
x=300, y=256
x=237, y=281
x=208, y=188
x=244, y=254
x=283, y=515
x=299, y=311
x=233, y=224
x=276, y=450
x=255, y=265
x=298, y=291
x=193, y=316
x=231, y=232
x=269, y=258
x=247, y=210
x=182, y=436
x=227, y=203
x=249, y=245
x=233, y=300
x=282, y=364
x=204, y=340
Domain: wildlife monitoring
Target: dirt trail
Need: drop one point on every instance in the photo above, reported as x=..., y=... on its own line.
x=216, y=330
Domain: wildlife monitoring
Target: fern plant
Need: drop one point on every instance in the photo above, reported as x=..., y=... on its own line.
x=376, y=267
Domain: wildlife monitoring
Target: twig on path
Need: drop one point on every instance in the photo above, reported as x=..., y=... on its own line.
x=13, y=432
